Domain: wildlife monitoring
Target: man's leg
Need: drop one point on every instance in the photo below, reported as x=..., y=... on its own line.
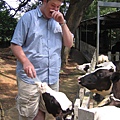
x=28, y=101
x=40, y=115
x=55, y=86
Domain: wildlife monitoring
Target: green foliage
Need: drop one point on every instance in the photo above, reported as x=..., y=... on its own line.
x=92, y=9
x=7, y=20
x=64, y=7
x=91, y=12
x=7, y=23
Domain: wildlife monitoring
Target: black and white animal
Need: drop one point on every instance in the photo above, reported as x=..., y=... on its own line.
x=112, y=109
x=107, y=65
x=98, y=81
x=104, y=81
x=106, y=113
x=86, y=66
x=115, y=97
x=55, y=103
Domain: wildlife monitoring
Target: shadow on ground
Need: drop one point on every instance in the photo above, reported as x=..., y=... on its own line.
x=68, y=82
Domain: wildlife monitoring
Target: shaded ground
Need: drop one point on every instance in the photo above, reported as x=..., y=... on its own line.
x=8, y=87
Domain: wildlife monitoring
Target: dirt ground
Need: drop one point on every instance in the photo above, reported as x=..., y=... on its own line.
x=8, y=87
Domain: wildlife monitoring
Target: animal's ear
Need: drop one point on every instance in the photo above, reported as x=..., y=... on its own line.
x=115, y=76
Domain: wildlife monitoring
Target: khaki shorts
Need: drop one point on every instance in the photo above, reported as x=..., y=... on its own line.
x=29, y=100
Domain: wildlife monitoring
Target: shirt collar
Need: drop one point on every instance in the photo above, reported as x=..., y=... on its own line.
x=39, y=12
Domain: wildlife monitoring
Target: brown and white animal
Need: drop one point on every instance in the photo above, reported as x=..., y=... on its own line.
x=55, y=103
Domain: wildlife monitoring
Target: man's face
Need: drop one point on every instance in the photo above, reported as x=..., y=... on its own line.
x=50, y=6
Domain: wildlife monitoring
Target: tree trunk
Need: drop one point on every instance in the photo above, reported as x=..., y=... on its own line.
x=75, y=13
x=73, y=17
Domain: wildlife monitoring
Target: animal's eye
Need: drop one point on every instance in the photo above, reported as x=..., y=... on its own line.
x=52, y=101
x=89, y=81
x=100, y=74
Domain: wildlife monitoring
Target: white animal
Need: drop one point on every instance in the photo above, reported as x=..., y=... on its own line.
x=106, y=113
x=102, y=58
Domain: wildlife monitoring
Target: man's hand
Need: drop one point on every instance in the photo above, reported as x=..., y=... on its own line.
x=29, y=69
x=58, y=16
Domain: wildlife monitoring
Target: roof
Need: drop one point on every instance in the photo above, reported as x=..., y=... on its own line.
x=107, y=21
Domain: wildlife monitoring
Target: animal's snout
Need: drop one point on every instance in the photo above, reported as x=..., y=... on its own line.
x=79, y=79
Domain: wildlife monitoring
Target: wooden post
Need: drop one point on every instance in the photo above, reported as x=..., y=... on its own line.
x=117, y=56
x=85, y=114
x=109, y=55
x=76, y=106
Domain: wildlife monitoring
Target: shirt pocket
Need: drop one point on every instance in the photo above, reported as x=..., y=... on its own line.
x=57, y=29
x=58, y=37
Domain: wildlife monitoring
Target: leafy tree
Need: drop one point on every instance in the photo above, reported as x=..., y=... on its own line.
x=92, y=9
x=7, y=24
x=73, y=13
x=92, y=12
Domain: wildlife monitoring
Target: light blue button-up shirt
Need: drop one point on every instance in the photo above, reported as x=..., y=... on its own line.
x=41, y=40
